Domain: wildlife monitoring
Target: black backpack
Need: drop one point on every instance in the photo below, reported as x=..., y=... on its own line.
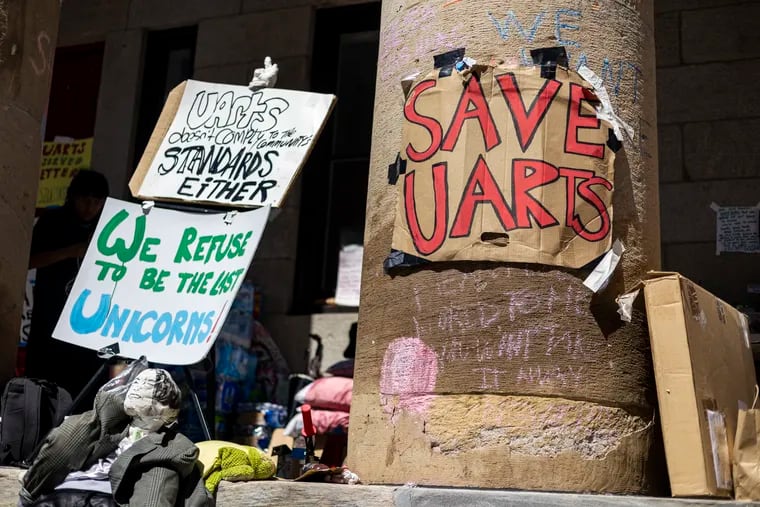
x=29, y=409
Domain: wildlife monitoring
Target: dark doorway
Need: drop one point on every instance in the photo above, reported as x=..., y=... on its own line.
x=169, y=60
x=334, y=191
x=74, y=91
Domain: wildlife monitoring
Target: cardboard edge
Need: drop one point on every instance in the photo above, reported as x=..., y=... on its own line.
x=171, y=106
x=662, y=391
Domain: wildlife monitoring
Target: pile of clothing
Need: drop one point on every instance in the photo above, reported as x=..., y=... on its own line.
x=124, y=451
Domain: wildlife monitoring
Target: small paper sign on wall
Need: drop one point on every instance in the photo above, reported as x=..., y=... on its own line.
x=159, y=284
x=225, y=144
x=737, y=229
x=349, y=275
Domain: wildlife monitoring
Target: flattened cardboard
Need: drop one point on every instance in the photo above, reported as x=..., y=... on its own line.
x=704, y=371
x=496, y=189
x=227, y=145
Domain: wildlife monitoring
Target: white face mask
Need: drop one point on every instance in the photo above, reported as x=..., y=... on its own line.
x=152, y=400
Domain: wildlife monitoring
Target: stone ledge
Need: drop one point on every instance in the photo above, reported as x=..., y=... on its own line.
x=268, y=493
x=309, y=494
x=9, y=486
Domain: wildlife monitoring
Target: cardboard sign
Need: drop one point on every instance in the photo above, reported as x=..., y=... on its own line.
x=61, y=160
x=224, y=144
x=160, y=284
x=505, y=166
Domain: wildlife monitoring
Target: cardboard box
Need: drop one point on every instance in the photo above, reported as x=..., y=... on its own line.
x=704, y=371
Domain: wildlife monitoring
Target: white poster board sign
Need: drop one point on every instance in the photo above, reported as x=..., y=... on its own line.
x=224, y=144
x=160, y=284
x=349, y=275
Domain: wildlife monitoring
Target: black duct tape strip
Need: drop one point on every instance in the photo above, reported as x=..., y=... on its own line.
x=548, y=59
x=613, y=142
x=396, y=169
x=446, y=61
x=399, y=259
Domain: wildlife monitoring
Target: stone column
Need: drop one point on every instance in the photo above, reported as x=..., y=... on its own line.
x=506, y=375
x=28, y=33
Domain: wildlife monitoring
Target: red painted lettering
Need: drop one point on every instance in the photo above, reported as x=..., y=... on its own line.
x=424, y=245
x=577, y=120
x=572, y=219
x=430, y=124
x=481, y=188
x=528, y=175
x=472, y=95
x=526, y=121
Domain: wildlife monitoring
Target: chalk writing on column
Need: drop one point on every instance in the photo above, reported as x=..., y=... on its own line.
x=41, y=61
x=563, y=25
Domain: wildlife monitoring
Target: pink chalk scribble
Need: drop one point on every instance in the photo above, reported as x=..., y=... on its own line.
x=408, y=376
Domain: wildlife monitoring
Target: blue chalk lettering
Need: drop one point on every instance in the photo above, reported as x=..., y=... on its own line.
x=503, y=28
x=86, y=325
x=559, y=25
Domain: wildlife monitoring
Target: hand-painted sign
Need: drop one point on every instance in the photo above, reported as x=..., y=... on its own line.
x=61, y=160
x=505, y=165
x=160, y=284
x=226, y=144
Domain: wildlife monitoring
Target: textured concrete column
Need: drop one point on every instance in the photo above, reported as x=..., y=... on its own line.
x=509, y=376
x=118, y=107
x=28, y=32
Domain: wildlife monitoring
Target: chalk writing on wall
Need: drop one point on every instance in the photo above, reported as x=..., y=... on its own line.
x=562, y=25
x=408, y=375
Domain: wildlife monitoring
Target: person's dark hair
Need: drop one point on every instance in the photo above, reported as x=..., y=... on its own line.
x=87, y=183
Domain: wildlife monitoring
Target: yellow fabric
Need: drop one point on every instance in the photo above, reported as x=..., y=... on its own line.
x=209, y=450
x=234, y=462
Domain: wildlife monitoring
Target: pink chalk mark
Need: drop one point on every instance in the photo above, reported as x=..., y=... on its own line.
x=409, y=372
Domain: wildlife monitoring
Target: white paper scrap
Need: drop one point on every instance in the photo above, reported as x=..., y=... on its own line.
x=598, y=278
x=625, y=305
x=719, y=443
x=745, y=328
x=606, y=112
x=349, y=275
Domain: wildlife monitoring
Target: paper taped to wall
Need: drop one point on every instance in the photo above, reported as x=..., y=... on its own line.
x=737, y=228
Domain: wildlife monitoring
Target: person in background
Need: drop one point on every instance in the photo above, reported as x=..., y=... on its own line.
x=59, y=242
